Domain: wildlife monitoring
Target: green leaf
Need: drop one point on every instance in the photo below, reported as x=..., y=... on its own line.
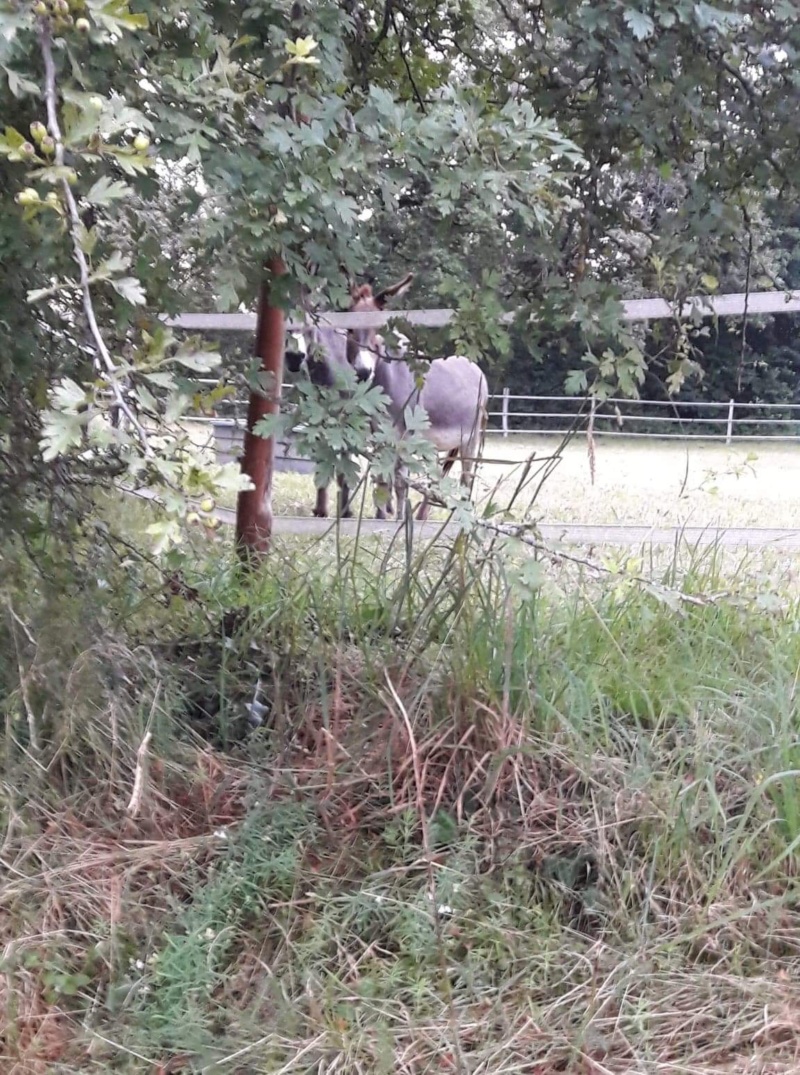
x=87, y=239
x=130, y=289
x=300, y=51
x=101, y=432
x=107, y=190
x=166, y=534
x=198, y=361
x=640, y=24
x=10, y=142
x=53, y=174
x=709, y=282
x=68, y=396
x=161, y=379
x=147, y=400
x=114, y=14
x=272, y=425
x=20, y=85
x=576, y=383
x=46, y=292
x=114, y=263
x=60, y=432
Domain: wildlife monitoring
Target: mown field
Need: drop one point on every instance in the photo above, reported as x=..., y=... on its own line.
x=634, y=481
x=500, y=815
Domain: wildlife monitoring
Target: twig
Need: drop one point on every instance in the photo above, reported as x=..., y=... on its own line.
x=103, y=360
x=384, y=30
x=590, y=444
x=33, y=732
x=138, y=781
x=417, y=95
x=518, y=532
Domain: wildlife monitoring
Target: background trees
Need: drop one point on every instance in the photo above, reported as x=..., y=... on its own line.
x=543, y=160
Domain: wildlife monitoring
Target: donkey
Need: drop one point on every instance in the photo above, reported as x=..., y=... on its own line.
x=454, y=393
x=323, y=352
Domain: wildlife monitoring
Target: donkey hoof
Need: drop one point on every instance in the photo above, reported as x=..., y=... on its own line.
x=347, y=514
x=320, y=514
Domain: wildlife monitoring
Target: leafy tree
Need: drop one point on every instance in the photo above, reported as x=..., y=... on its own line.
x=545, y=160
x=289, y=147
x=683, y=113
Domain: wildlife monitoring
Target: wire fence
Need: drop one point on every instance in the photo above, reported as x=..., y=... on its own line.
x=512, y=414
x=728, y=420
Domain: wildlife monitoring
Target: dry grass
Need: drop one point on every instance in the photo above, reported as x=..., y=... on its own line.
x=487, y=828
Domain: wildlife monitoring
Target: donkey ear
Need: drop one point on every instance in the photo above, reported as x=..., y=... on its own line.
x=392, y=292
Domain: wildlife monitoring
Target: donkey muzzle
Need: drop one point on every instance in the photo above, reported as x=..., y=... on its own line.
x=293, y=360
x=364, y=364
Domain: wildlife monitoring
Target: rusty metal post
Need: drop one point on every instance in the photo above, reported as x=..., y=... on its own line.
x=254, y=507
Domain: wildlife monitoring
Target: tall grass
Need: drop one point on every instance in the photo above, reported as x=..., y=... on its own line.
x=499, y=816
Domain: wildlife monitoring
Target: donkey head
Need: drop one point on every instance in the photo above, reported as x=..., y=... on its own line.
x=364, y=345
x=318, y=349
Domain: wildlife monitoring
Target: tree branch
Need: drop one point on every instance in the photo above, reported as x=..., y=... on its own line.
x=103, y=360
x=403, y=57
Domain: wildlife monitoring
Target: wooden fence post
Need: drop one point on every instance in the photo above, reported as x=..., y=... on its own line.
x=729, y=430
x=505, y=412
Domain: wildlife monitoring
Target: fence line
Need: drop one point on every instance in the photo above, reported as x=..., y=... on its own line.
x=732, y=305
x=727, y=421
x=740, y=421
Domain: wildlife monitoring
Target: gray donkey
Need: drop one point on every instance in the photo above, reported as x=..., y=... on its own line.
x=322, y=351
x=454, y=393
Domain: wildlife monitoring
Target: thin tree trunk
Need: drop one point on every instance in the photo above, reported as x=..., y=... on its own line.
x=254, y=507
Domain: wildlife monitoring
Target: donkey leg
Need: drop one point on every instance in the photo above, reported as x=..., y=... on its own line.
x=401, y=493
x=424, y=508
x=345, y=510
x=469, y=460
x=321, y=508
x=382, y=498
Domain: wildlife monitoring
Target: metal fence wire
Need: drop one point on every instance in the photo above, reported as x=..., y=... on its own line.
x=511, y=414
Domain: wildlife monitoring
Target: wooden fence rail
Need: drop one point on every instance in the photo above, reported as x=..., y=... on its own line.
x=733, y=305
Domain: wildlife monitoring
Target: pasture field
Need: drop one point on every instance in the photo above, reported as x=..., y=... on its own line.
x=498, y=817
x=664, y=482
x=635, y=481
